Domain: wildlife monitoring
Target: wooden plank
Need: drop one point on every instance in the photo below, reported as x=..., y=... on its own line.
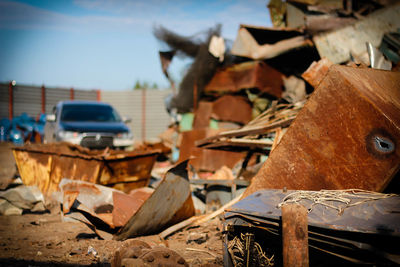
x=246, y=131
x=295, y=235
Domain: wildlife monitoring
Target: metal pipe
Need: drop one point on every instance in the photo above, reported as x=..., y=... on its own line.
x=71, y=94
x=43, y=99
x=10, y=100
x=143, y=114
x=98, y=95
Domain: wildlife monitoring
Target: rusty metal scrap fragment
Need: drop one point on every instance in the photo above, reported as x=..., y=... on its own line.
x=253, y=74
x=346, y=136
x=143, y=211
x=45, y=165
x=127, y=205
x=317, y=71
x=232, y=108
x=159, y=209
x=205, y=159
x=202, y=115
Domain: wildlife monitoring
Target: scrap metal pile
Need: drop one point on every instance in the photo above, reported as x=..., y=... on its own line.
x=319, y=95
x=304, y=113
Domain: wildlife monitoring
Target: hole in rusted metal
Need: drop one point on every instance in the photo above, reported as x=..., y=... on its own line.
x=380, y=144
x=384, y=144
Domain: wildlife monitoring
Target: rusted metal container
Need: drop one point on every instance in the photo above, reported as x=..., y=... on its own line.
x=44, y=165
x=346, y=136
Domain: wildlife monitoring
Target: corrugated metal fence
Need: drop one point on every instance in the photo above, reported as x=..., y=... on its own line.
x=151, y=117
x=145, y=108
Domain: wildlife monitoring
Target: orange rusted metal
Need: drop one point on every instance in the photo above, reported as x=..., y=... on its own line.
x=143, y=210
x=202, y=115
x=346, y=136
x=45, y=165
x=205, y=159
x=232, y=108
x=317, y=71
x=171, y=202
x=127, y=205
x=254, y=74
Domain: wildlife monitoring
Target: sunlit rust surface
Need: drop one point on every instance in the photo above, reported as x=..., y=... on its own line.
x=127, y=205
x=232, y=108
x=255, y=74
x=45, y=166
x=202, y=115
x=205, y=159
x=317, y=71
x=334, y=141
x=171, y=202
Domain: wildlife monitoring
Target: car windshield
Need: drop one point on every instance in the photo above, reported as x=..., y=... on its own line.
x=93, y=113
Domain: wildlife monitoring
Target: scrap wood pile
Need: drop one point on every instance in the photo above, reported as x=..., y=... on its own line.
x=262, y=133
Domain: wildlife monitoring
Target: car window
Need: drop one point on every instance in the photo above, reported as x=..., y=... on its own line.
x=90, y=113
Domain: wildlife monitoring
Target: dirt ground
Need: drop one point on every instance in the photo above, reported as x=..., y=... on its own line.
x=46, y=240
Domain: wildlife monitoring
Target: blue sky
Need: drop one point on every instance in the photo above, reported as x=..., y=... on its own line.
x=106, y=44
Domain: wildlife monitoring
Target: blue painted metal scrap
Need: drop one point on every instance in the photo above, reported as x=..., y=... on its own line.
x=22, y=128
x=344, y=227
x=375, y=216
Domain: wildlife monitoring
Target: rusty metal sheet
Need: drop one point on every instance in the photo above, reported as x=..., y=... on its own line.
x=155, y=146
x=254, y=74
x=357, y=232
x=169, y=197
x=346, y=136
x=128, y=172
x=317, y=71
x=46, y=170
x=105, y=210
x=205, y=159
x=95, y=200
x=44, y=165
x=202, y=115
x=366, y=217
x=127, y=205
x=187, y=210
x=222, y=109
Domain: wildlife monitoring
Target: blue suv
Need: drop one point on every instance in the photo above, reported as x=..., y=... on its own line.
x=90, y=124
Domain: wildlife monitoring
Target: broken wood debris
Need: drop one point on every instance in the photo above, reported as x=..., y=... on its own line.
x=257, y=134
